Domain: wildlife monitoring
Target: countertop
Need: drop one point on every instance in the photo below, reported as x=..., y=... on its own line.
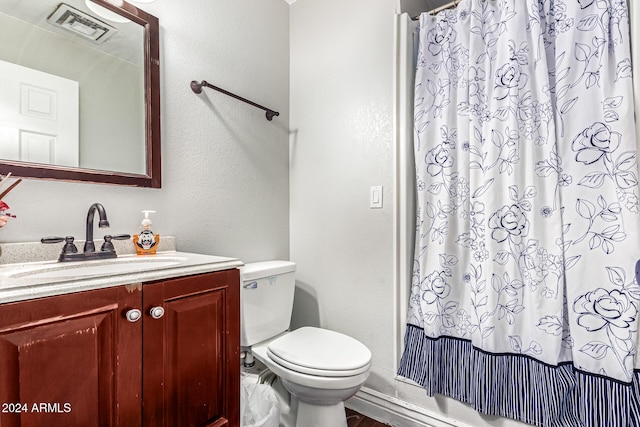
x=30, y=280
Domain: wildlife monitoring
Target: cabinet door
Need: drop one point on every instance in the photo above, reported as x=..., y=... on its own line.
x=71, y=360
x=191, y=355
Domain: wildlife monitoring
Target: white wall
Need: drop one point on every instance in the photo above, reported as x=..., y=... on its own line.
x=342, y=143
x=225, y=167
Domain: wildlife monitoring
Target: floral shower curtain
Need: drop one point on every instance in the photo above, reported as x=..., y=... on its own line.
x=524, y=301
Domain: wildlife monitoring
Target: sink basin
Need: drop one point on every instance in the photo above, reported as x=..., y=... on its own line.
x=29, y=280
x=123, y=265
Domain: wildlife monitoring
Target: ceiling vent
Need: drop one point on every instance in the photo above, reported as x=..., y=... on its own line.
x=81, y=24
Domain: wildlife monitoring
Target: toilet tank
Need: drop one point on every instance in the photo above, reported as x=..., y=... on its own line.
x=266, y=300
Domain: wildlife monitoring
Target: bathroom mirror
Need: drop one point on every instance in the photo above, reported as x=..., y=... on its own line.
x=84, y=100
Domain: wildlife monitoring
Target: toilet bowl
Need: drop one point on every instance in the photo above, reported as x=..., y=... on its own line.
x=319, y=367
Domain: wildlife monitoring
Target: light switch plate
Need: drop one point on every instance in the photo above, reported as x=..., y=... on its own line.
x=375, y=200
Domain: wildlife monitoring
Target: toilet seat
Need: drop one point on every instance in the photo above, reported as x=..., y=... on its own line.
x=320, y=352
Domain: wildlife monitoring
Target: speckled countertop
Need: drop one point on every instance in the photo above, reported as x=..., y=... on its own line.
x=13, y=253
x=37, y=277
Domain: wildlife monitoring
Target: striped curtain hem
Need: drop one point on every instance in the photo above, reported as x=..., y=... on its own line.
x=518, y=386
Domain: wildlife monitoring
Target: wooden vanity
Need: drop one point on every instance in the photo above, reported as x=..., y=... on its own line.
x=89, y=358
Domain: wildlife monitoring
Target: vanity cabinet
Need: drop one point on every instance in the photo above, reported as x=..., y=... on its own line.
x=71, y=360
x=78, y=360
x=191, y=355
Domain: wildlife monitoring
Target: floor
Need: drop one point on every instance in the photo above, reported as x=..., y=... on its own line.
x=355, y=419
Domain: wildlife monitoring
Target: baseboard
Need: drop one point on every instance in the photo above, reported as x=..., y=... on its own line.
x=396, y=412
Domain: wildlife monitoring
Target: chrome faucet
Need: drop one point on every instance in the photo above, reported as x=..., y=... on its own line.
x=89, y=246
x=70, y=252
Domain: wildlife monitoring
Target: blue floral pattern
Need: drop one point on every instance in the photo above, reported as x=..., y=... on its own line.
x=527, y=185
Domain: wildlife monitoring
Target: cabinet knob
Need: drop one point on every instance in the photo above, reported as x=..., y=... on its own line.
x=156, y=312
x=133, y=315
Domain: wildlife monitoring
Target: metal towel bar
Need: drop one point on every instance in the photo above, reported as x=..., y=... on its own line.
x=196, y=87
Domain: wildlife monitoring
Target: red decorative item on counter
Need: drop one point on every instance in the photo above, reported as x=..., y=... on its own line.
x=4, y=208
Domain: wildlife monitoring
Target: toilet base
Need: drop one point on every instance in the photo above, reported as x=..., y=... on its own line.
x=310, y=415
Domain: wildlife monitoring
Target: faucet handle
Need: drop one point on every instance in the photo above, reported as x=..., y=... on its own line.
x=107, y=246
x=121, y=237
x=68, y=248
x=52, y=239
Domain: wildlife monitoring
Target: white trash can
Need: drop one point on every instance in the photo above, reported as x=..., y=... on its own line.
x=259, y=406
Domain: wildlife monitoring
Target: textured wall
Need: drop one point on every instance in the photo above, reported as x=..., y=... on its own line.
x=225, y=168
x=342, y=143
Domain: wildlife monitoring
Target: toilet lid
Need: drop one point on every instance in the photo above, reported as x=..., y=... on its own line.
x=320, y=352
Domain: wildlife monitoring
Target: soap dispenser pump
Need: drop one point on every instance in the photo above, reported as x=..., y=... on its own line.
x=146, y=242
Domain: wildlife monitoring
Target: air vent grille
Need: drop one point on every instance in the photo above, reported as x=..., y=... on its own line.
x=81, y=24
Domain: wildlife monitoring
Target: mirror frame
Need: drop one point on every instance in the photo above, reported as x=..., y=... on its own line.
x=152, y=113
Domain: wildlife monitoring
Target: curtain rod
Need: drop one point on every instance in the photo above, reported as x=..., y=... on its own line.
x=446, y=6
x=197, y=88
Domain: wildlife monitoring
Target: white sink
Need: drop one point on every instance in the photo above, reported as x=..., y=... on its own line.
x=80, y=269
x=28, y=280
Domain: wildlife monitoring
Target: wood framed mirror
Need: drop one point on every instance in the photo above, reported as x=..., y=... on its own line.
x=116, y=106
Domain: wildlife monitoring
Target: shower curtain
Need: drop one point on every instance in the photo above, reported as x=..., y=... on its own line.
x=524, y=301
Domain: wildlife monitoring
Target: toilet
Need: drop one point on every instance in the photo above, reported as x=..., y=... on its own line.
x=318, y=367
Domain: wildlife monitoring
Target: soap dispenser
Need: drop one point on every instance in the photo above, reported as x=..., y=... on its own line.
x=146, y=242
